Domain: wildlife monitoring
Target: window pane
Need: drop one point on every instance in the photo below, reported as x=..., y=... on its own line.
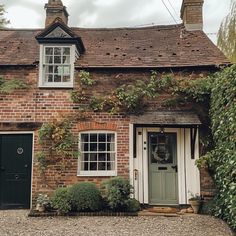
x=84, y=147
x=102, y=166
x=101, y=157
x=93, y=138
x=66, y=59
x=93, y=157
x=102, y=147
x=57, y=51
x=66, y=51
x=84, y=166
x=102, y=137
x=85, y=157
x=93, y=165
x=66, y=78
x=110, y=165
x=49, y=78
x=93, y=147
x=57, y=78
x=49, y=59
x=111, y=147
x=84, y=138
x=66, y=70
x=48, y=69
x=60, y=70
x=110, y=137
x=49, y=51
x=110, y=156
x=57, y=59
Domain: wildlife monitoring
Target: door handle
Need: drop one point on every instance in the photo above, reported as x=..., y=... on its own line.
x=175, y=168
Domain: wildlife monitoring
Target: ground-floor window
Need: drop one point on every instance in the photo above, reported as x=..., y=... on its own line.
x=97, y=153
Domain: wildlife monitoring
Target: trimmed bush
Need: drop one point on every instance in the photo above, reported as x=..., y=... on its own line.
x=61, y=200
x=133, y=205
x=86, y=197
x=117, y=193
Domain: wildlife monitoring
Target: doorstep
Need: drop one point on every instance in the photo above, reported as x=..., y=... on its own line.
x=164, y=211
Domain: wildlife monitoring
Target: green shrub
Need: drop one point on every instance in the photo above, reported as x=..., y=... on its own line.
x=117, y=193
x=133, y=205
x=222, y=160
x=86, y=197
x=61, y=200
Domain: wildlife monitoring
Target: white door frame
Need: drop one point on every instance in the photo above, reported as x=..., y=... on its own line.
x=188, y=174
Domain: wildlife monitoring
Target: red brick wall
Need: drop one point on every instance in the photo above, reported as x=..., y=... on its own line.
x=44, y=105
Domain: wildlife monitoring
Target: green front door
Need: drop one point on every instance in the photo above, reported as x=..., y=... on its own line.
x=15, y=170
x=162, y=152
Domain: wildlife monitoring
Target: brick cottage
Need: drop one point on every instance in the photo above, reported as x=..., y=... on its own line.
x=155, y=146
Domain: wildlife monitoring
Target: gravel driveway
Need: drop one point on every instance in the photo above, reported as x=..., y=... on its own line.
x=17, y=223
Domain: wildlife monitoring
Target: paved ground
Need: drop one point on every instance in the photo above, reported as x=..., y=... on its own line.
x=17, y=223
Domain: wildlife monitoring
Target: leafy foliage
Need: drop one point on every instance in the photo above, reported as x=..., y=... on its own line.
x=85, y=78
x=133, y=205
x=117, y=193
x=198, y=90
x=86, y=197
x=43, y=200
x=9, y=86
x=222, y=159
x=3, y=20
x=61, y=200
x=227, y=34
x=41, y=159
x=60, y=136
x=56, y=138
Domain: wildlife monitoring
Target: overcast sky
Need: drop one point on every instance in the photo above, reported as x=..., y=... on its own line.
x=114, y=13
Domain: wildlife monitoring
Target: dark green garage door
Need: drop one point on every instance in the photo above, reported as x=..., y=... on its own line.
x=15, y=170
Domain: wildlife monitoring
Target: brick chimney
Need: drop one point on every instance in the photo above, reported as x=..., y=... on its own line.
x=191, y=14
x=55, y=9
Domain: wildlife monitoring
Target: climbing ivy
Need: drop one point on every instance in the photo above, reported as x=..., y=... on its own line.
x=9, y=86
x=55, y=137
x=222, y=160
x=129, y=98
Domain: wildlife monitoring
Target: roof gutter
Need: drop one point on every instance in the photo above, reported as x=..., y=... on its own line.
x=155, y=67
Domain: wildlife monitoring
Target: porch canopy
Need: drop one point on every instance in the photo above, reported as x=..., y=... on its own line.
x=178, y=119
x=167, y=118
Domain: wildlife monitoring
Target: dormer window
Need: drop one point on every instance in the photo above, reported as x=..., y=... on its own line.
x=57, y=65
x=60, y=47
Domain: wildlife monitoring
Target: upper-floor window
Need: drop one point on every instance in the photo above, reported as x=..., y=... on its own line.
x=57, y=66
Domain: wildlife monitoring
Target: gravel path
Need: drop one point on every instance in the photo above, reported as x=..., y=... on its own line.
x=17, y=223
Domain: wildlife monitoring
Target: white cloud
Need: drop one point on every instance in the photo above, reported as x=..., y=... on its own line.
x=113, y=13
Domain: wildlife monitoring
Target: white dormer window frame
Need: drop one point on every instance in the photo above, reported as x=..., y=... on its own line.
x=56, y=66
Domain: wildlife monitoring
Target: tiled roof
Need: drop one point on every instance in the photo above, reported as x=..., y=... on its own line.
x=154, y=47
